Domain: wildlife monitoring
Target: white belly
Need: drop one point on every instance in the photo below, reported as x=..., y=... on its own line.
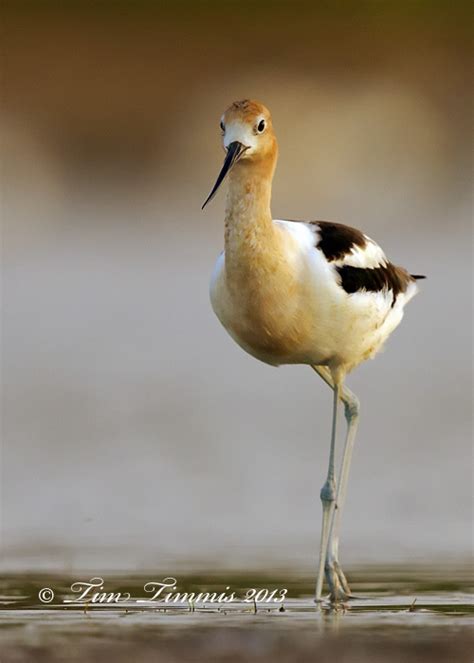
x=313, y=322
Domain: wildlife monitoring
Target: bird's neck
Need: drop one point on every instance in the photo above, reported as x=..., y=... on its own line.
x=249, y=230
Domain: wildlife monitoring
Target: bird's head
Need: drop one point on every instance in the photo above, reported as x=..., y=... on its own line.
x=247, y=138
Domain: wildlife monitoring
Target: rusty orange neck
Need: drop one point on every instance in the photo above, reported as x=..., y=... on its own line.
x=249, y=230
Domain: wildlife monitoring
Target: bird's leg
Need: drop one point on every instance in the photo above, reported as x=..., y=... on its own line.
x=337, y=582
x=328, y=499
x=351, y=412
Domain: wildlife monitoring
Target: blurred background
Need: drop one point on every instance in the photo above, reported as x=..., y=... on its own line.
x=136, y=434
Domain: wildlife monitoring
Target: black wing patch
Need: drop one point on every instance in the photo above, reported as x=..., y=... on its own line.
x=337, y=240
x=386, y=277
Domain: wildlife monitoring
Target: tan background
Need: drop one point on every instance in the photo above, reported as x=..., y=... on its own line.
x=135, y=433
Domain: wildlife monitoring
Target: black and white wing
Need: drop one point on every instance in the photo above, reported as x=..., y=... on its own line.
x=359, y=262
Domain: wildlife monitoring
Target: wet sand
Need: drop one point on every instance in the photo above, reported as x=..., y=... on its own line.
x=398, y=615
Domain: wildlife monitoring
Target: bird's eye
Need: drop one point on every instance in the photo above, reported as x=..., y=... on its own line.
x=222, y=126
x=261, y=126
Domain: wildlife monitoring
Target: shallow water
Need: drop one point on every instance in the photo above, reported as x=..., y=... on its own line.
x=414, y=615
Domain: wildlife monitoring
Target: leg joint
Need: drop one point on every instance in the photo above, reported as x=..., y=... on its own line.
x=351, y=408
x=328, y=491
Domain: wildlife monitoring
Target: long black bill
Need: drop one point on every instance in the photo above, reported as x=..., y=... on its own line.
x=234, y=152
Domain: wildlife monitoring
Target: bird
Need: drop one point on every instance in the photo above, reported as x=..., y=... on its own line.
x=316, y=293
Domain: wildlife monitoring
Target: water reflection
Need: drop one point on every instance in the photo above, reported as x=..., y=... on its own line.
x=403, y=616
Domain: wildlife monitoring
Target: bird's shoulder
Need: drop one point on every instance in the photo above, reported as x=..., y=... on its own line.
x=339, y=243
x=359, y=263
